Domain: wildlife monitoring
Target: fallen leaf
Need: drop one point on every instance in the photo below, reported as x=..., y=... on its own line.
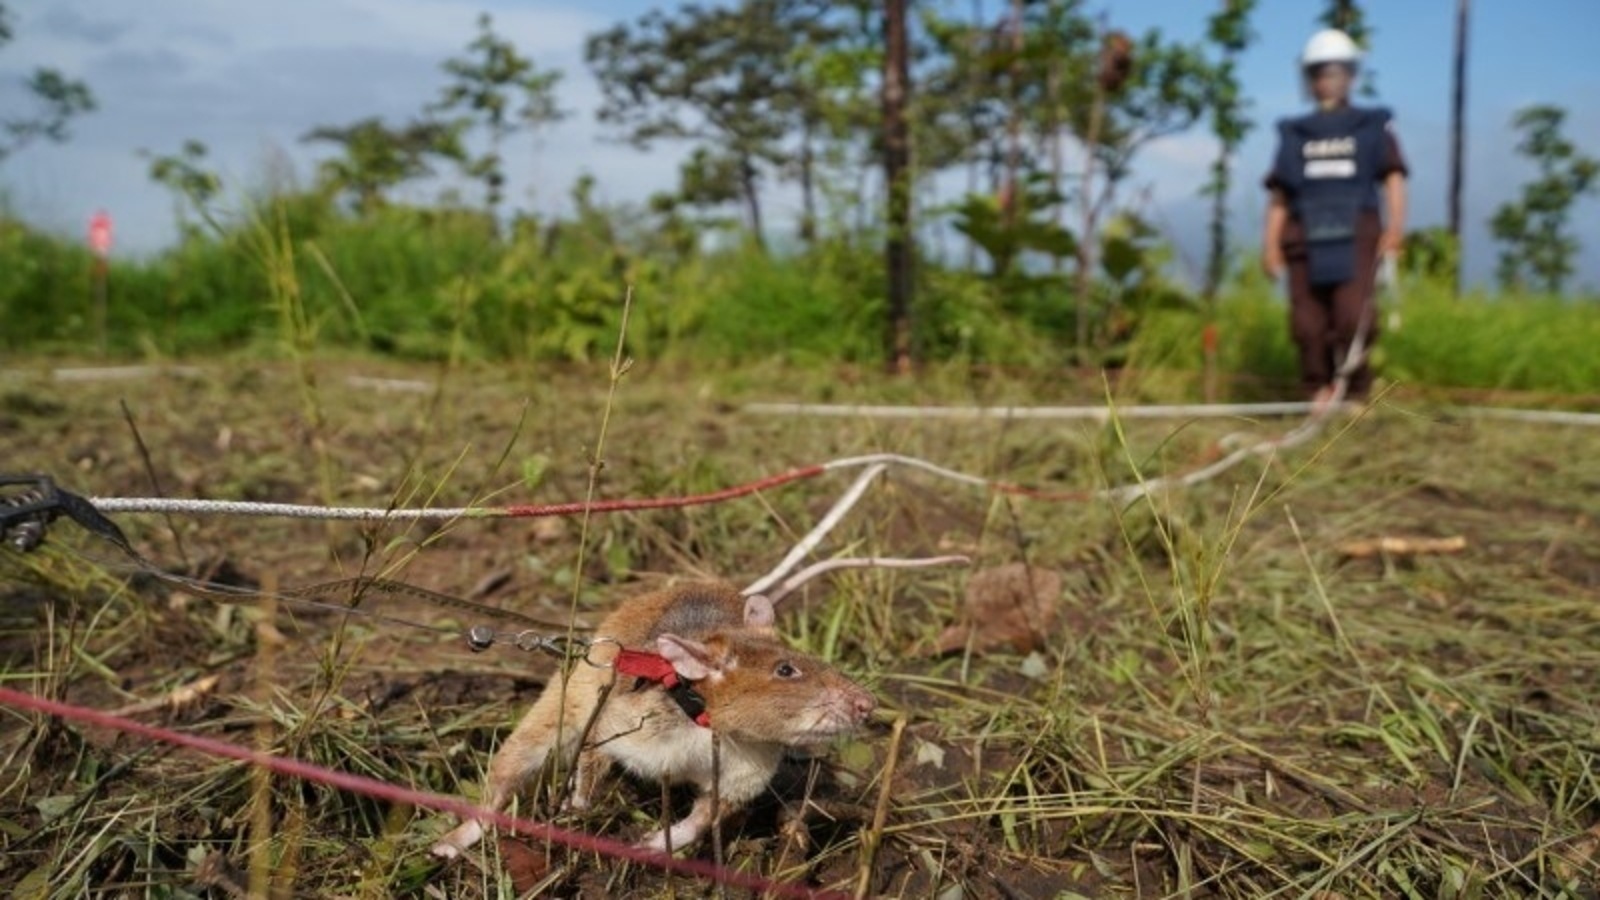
x=526, y=866
x=1013, y=605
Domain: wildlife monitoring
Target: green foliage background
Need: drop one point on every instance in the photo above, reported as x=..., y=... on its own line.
x=432, y=283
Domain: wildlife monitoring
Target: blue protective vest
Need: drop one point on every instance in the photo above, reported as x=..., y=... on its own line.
x=1328, y=166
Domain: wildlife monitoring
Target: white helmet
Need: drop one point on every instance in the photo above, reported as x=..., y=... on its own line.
x=1330, y=46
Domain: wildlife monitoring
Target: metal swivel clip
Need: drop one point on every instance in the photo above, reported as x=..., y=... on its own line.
x=28, y=504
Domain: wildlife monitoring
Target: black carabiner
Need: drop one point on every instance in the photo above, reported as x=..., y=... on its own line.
x=26, y=512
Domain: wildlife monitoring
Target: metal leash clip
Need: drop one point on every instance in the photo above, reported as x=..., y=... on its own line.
x=28, y=510
x=568, y=649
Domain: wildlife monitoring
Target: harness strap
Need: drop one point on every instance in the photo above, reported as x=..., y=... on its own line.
x=653, y=668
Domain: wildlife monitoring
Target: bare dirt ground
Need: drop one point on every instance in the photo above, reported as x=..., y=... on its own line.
x=1212, y=700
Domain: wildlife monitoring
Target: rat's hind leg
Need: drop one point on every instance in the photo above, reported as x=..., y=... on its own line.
x=592, y=766
x=524, y=753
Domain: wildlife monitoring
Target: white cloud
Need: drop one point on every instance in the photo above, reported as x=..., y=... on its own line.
x=247, y=76
x=241, y=77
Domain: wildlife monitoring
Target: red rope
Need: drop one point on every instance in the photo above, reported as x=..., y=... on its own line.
x=573, y=508
x=381, y=790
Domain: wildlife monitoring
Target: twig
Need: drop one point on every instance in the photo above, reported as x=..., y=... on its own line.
x=880, y=816
x=174, y=699
x=619, y=367
x=155, y=482
x=1401, y=546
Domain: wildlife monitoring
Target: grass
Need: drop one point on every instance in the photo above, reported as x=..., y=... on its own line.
x=1225, y=708
x=436, y=284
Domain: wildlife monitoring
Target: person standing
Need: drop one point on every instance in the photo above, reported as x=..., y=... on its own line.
x=1324, y=226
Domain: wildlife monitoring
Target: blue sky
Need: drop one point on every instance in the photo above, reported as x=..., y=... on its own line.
x=248, y=79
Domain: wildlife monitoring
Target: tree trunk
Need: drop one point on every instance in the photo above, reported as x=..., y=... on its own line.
x=1217, y=253
x=808, y=190
x=752, y=199
x=897, y=178
x=975, y=89
x=1458, y=115
x=1057, y=159
x=1086, y=235
x=1012, y=199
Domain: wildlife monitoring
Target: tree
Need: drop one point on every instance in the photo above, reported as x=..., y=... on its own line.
x=487, y=82
x=58, y=101
x=899, y=243
x=1022, y=220
x=834, y=102
x=1348, y=17
x=192, y=185
x=723, y=77
x=1109, y=91
x=1142, y=92
x=1458, y=119
x=995, y=96
x=1229, y=30
x=1165, y=91
x=377, y=158
x=1538, y=246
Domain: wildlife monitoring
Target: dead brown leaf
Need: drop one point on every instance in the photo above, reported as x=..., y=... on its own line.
x=526, y=866
x=1013, y=605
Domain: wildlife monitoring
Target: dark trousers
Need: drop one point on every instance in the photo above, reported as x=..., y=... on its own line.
x=1324, y=318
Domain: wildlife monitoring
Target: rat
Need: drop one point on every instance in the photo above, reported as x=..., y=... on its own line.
x=718, y=666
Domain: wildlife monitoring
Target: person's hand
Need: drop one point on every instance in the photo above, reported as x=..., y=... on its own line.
x=1391, y=243
x=1272, y=261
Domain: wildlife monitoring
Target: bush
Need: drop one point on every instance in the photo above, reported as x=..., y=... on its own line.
x=426, y=283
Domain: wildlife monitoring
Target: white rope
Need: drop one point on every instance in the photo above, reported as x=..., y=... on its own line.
x=1103, y=414
x=910, y=462
x=875, y=463
x=1539, y=416
x=279, y=510
x=809, y=543
x=1092, y=413
x=870, y=562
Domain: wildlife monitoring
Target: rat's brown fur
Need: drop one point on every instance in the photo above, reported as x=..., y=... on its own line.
x=760, y=695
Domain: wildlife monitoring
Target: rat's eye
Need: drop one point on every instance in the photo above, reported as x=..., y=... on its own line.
x=785, y=669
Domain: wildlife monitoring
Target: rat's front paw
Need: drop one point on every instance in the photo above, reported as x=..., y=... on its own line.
x=456, y=842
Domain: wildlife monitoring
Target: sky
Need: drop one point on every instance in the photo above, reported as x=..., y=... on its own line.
x=249, y=79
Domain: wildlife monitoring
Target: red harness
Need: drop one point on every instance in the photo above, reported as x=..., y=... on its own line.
x=653, y=668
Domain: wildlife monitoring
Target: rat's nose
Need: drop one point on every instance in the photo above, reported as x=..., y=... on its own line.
x=862, y=705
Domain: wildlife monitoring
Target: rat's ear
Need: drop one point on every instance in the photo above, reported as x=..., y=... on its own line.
x=692, y=660
x=757, y=611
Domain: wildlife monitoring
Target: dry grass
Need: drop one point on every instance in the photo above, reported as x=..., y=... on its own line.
x=1227, y=709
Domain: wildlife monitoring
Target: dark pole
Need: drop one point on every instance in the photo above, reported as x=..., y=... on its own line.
x=1013, y=198
x=897, y=177
x=1458, y=115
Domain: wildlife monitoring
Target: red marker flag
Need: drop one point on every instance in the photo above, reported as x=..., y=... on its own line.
x=100, y=234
